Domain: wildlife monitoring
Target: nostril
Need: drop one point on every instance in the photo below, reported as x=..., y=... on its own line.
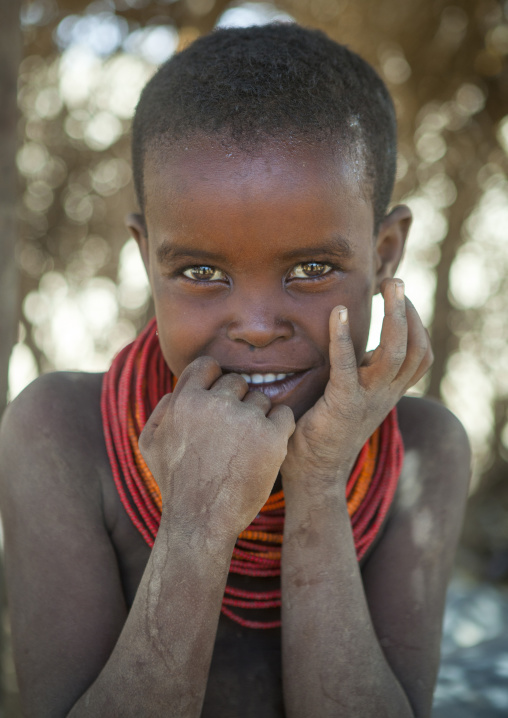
x=258, y=334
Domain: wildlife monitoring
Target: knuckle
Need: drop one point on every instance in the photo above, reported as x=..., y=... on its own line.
x=288, y=416
x=202, y=364
x=190, y=401
x=164, y=402
x=343, y=339
x=398, y=355
x=262, y=402
x=423, y=348
x=223, y=402
x=393, y=355
x=232, y=378
x=347, y=363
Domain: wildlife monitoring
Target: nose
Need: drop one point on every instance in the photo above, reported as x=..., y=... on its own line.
x=259, y=323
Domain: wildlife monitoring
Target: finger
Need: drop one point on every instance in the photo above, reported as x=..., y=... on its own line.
x=283, y=418
x=257, y=398
x=154, y=421
x=389, y=356
x=199, y=374
x=232, y=384
x=343, y=364
x=424, y=366
x=418, y=347
x=367, y=358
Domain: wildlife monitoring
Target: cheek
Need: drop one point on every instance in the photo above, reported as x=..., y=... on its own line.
x=359, y=303
x=175, y=346
x=356, y=295
x=183, y=335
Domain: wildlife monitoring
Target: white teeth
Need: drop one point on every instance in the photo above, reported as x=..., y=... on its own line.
x=264, y=378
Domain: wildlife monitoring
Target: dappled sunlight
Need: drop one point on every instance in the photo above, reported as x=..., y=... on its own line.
x=153, y=44
x=479, y=284
x=22, y=369
x=84, y=99
x=85, y=287
x=252, y=13
x=77, y=326
x=467, y=389
x=101, y=88
x=133, y=286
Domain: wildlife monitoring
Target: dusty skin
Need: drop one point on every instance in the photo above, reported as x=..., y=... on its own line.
x=258, y=263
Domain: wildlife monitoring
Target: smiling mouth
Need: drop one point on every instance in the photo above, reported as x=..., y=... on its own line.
x=266, y=378
x=277, y=385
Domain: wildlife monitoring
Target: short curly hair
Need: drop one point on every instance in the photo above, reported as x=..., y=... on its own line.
x=251, y=85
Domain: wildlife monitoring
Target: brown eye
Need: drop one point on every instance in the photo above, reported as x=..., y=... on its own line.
x=204, y=273
x=308, y=270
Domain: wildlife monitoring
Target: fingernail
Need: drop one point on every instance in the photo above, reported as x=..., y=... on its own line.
x=399, y=290
x=343, y=316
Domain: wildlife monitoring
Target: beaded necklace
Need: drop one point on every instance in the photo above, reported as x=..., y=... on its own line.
x=137, y=380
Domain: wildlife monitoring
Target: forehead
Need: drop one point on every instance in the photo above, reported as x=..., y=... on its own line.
x=205, y=187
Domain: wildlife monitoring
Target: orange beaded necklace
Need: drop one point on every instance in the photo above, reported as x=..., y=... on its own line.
x=137, y=380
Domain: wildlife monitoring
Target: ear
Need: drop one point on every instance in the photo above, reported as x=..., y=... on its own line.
x=136, y=225
x=390, y=242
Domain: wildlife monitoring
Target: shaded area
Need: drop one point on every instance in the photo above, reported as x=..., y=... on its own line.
x=473, y=678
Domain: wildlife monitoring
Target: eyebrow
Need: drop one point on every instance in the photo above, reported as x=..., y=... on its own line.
x=338, y=246
x=167, y=252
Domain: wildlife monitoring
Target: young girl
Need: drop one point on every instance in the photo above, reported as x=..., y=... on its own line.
x=244, y=516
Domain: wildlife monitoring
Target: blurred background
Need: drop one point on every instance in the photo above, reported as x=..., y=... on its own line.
x=72, y=287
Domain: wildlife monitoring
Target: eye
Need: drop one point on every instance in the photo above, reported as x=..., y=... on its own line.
x=204, y=273
x=309, y=270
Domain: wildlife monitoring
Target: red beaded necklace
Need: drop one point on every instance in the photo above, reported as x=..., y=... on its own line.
x=137, y=380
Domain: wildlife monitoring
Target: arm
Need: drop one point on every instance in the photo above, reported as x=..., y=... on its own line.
x=72, y=634
x=367, y=648
x=162, y=657
x=332, y=660
x=77, y=651
x=372, y=641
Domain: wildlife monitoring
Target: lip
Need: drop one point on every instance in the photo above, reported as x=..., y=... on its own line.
x=280, y=390
x=264, y=369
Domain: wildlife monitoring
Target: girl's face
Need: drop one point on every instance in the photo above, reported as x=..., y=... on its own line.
x=248, y=254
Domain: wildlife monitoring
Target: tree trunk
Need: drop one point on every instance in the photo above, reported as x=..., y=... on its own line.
x=10, y=53
x=444, y=341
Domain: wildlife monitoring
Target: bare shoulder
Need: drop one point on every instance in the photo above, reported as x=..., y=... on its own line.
x=437, y=455
x=429, y=505
x=51, y=426
x=53, y=400
x=422, y=420
x=52, y=461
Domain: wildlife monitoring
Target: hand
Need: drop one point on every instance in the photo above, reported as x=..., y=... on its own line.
x=356, y=399
x=215, y=449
